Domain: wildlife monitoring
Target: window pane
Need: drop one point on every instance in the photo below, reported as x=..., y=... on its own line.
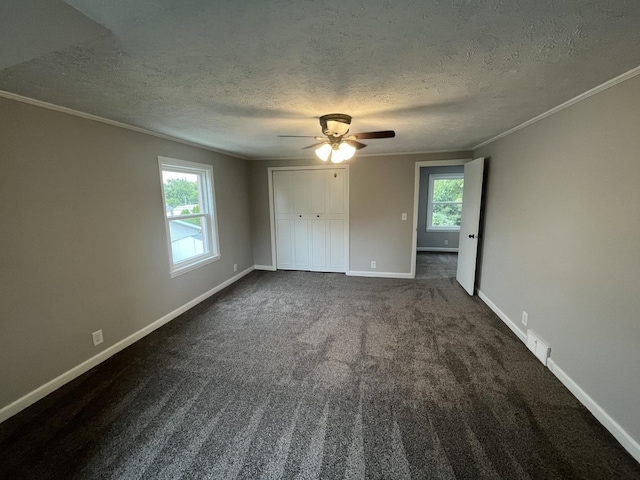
x=446, y=215
x=187, y=240
x=448, y=189
x=182, y=193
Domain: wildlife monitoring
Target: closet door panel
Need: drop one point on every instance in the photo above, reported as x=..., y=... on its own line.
x=284, y=247
x=282, y=193
x=301, y=243
x=336, y=192
x=301, y=186
x=319, y=192
x=318, y=243
x=336, y=242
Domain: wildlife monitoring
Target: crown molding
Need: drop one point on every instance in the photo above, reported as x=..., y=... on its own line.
x=583, y=96
x=114, y=123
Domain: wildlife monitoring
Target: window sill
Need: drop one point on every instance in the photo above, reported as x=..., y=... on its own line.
x=443, y=230
x=176, y=271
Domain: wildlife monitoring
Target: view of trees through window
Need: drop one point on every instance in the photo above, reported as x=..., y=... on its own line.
x=447, y=202
x=182, y=195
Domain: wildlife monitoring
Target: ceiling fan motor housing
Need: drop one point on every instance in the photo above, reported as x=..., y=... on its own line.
x=335, y=124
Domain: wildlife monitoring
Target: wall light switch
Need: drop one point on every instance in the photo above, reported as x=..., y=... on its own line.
x=404, y=216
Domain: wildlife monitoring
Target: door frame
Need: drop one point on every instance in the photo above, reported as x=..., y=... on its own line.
x=272, y=212
x=416, y=200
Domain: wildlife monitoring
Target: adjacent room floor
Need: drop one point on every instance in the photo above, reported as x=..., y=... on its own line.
x=310, y=375
x=436, y=266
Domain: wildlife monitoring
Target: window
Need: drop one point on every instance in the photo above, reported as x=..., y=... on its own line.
x=444, y=207
x=189, y=214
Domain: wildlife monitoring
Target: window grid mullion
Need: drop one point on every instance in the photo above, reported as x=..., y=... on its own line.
x=187, y=217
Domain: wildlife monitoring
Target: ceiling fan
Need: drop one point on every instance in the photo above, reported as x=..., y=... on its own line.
x=337, y=145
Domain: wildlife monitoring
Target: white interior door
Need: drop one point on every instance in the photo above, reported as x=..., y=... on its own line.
x=310, y=208
x=470, y=224
x=318, y=222
x=336, y=221
x=283, y=221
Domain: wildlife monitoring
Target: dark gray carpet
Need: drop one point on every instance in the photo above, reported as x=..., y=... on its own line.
x=435, y=266
x=307, y=375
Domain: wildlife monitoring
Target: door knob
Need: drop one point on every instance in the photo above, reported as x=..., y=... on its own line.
x=472, y=236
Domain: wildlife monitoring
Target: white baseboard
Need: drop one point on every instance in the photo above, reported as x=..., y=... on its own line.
x=355, y=273
x=603, y=417
x=503, y=316
x=269, y=268
x=44, y=390
x=437, y=249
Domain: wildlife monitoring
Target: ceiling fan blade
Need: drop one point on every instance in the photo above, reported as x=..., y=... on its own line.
x=381, y=134
x=354, y=144
x=298, y=136
x=314, y=145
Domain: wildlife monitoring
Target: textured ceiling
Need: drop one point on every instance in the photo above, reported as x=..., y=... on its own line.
x=233, y=74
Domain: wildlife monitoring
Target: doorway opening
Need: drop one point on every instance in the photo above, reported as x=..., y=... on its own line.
x=439, y=256
x=468, y=235
x=439, y=217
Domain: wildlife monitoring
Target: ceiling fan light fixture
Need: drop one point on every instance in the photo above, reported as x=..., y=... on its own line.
x=341, y=152
x=336, y=145
x=346, y=150
x=337, y=129
x=335, y=124
x=323, y=152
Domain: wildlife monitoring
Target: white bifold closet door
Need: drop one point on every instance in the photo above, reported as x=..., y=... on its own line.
x=310, y=219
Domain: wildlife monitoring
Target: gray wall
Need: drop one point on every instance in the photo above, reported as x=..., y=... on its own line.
x=561, y=230
x=83, y=243
x=381, y=189
x=433, y=239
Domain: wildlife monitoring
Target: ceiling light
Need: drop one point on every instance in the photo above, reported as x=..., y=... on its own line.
x=323, y=152
x=346, y=151
x=338, y=152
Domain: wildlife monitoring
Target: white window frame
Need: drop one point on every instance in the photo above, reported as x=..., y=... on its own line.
x=207, y=211
x=430, y=202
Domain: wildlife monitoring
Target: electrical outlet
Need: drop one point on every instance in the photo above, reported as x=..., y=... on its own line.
x=404, y=216
x=373, y=264
x=97, y=338
x=235, y=267
x=525, y=318
x=446, y=242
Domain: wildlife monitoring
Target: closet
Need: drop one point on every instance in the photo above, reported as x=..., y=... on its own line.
x=310, y=207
